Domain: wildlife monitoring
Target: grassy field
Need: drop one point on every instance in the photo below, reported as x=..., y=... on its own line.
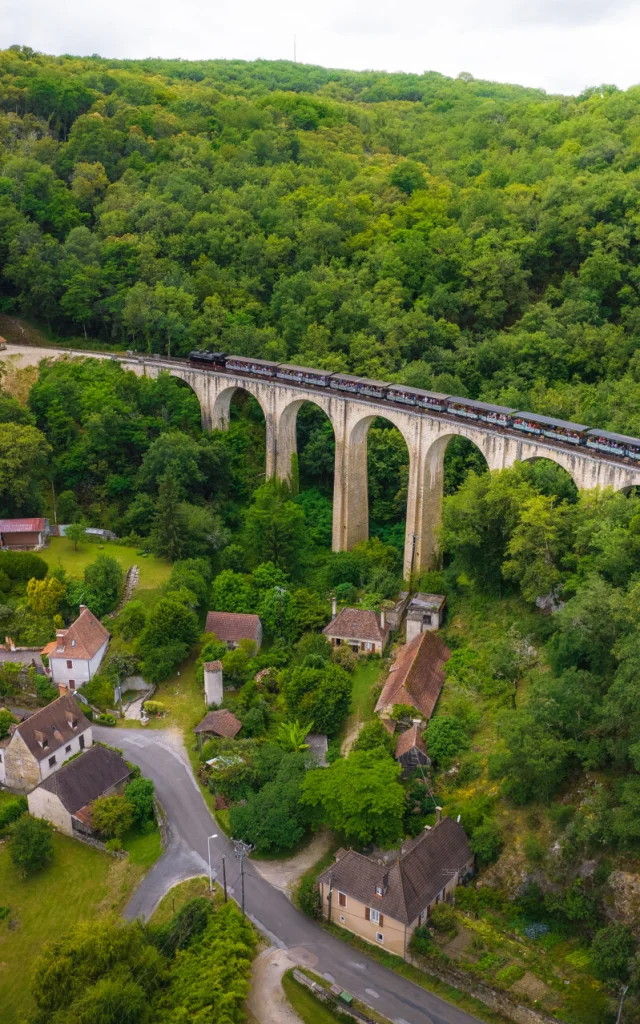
x=178, y=896
x=82, y=883
x=143, y=850
x=364, y=679
x=153, y=571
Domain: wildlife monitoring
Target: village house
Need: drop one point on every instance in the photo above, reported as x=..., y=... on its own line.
x=41, y=744
x=410, y=748
x=77, y=652
x=425, y=612
x=23, y=534
x=384, y=903
x=218, y=723
x=416, y=676
x=363, y=631
x=65, y=798
x=232, y=627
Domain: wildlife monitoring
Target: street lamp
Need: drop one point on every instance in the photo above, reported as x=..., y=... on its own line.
x=209, y=838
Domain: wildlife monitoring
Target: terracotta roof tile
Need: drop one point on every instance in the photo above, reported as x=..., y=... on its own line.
x=53, y=724
x=414, y=880
x=22, y=525
x=417, y=675
x=357, y=624
x=83, y=639
x=408, y=740
x=221, y=722
x=233, y=626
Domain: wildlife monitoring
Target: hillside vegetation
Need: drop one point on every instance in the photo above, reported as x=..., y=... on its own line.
x=474, y=237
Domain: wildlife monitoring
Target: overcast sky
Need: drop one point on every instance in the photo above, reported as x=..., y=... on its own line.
x=558, y=45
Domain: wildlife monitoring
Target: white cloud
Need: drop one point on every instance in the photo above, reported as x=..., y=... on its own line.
x=558, y=45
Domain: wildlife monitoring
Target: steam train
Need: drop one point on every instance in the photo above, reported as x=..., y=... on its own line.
x=530, y=423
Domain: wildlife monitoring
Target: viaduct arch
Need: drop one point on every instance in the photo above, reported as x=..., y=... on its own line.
x=426, y=436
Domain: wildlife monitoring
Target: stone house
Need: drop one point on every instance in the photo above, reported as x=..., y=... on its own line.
x=416, y=676
x=232, y=627
x=41, y=744
x=363, y=631
x=77, y=652
x=24, y=534
x=65, y=798
x=425, y=612
x=384, y=903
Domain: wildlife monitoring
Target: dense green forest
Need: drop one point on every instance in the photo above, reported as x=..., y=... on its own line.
x=473, y=237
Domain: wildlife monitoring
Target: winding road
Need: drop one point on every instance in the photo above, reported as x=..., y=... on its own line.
x=190, y=822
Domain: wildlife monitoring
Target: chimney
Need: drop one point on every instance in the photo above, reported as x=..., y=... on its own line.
x=63, y=689
x=382, y=618
x=83, y=608
x=213, y=688
x=334, y=606
x=438, y=815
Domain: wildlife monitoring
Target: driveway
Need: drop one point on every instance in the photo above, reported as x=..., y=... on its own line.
x=190, y=822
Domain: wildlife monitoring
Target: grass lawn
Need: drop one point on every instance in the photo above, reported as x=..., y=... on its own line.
x=82, y=883
x=308, y=1008
x=364, y=679
x=183, y=699
x=143, y=850
x=153, y=571
x=178, y=896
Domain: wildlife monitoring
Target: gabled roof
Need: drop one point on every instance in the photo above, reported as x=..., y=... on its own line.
x=83, y=639
x=221, y=722
x=357, y=624
x=22, y=525
x=417, y=675
x=233, y=626
x=87, y=777
x=51, y=727
x=408, y=740
x=413, y=880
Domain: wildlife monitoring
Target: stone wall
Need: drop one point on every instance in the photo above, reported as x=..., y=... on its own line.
x=22, y=771
x=501, y=1002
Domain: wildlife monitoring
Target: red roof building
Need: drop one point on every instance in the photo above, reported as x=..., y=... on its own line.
x=232, y=627
x=219, y=723
x=23, y=534
x=363, y=631
x=416, y=676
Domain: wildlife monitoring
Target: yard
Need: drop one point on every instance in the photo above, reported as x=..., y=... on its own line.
x=82, y=883
x=153, y=571
x=365, y=677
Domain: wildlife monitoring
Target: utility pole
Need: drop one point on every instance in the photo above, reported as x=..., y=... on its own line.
x=224, y=878
x=55, y=514
x=241, y=848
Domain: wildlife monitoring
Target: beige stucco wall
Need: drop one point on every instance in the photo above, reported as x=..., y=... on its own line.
x=43, y=804
x=394, y=933
x=376, y=646
x=22, y=771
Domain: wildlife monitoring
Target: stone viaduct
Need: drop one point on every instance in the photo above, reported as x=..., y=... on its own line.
x=426, y=436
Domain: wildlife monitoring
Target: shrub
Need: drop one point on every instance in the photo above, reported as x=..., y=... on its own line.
x=99, y=690
x=11, y=811
x=113, y=845
x=23, y=565
x=422, y=941
x=105, y=719
x=486, y=841
x=443, y=918
x=31, y=846
x=611, y=952
x=154, y=707
x=6, y=719
x=446, y=737
x=139, y=793
x=534, y=848
x=112, y=816
x=508, y=975
x=308, y=897
x=46, y=690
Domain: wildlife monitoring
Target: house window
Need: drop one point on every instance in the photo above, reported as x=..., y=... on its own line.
x=52, y=761
x=342, y=899
x=379, y=937
x=67, y=748
x=426, y=619
x=69, y=664
x=368, y=646
x=81, y=742
x=374, y=916
x=73, y=643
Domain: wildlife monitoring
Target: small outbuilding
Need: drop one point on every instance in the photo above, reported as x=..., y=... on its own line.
x=363, y=631
x=232, y=627
x=410, y=749
x=23, y=534
x=218, y=723
x=213, y=688
x=425, y=612
x=65, y=798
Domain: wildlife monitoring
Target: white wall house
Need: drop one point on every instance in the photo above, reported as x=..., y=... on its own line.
x=41, y=744
x=65, y=799
x=76, y=653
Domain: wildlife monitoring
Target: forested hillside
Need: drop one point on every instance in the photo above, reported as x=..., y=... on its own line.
x=464, y=235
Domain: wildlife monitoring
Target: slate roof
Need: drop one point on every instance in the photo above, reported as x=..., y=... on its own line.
x=22, y=525
x=432, y=602
x=83, y=639
x=51, y=727
x=233, y=626
x=414, y=880
x=408, y=740
x=87, y=777
x=357, y=624
x=221, y=722
x=417, y=675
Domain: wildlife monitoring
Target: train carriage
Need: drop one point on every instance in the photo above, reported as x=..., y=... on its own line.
x=547, y=426
x=373, y=388
x=247, y=364
x=613, y=444
x=345, y=382
x=303, y=375
x=432, y=400
x=484, y=411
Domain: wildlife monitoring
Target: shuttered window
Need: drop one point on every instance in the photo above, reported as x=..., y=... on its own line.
x=342, y=899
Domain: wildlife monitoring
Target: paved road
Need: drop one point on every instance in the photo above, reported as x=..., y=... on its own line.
x=190, y=822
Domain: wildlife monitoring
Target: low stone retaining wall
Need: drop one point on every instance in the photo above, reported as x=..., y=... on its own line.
x=501, y=1002
x=324, y=996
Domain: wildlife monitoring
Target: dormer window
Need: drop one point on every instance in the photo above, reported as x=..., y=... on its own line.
x=378, y=890
x=73, y=643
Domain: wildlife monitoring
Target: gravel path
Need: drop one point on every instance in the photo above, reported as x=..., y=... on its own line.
x=267, y=1001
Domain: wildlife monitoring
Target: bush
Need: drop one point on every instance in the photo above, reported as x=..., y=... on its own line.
x=46, y=690
x=31, y=845
x=139, y=793
x=154, y=707
x=253, y=723
x=113, y=845
x=422, y=942
x=308, y=897
x=105, y=719
x=486, y=841
x=99, y=690
x=443, y=918
x=23, y=565
x=112, y=816
x=6, y=719
x=446, y=738
x=611, y=952
x=509, y=975
x=534, y=848
x=11, y=811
